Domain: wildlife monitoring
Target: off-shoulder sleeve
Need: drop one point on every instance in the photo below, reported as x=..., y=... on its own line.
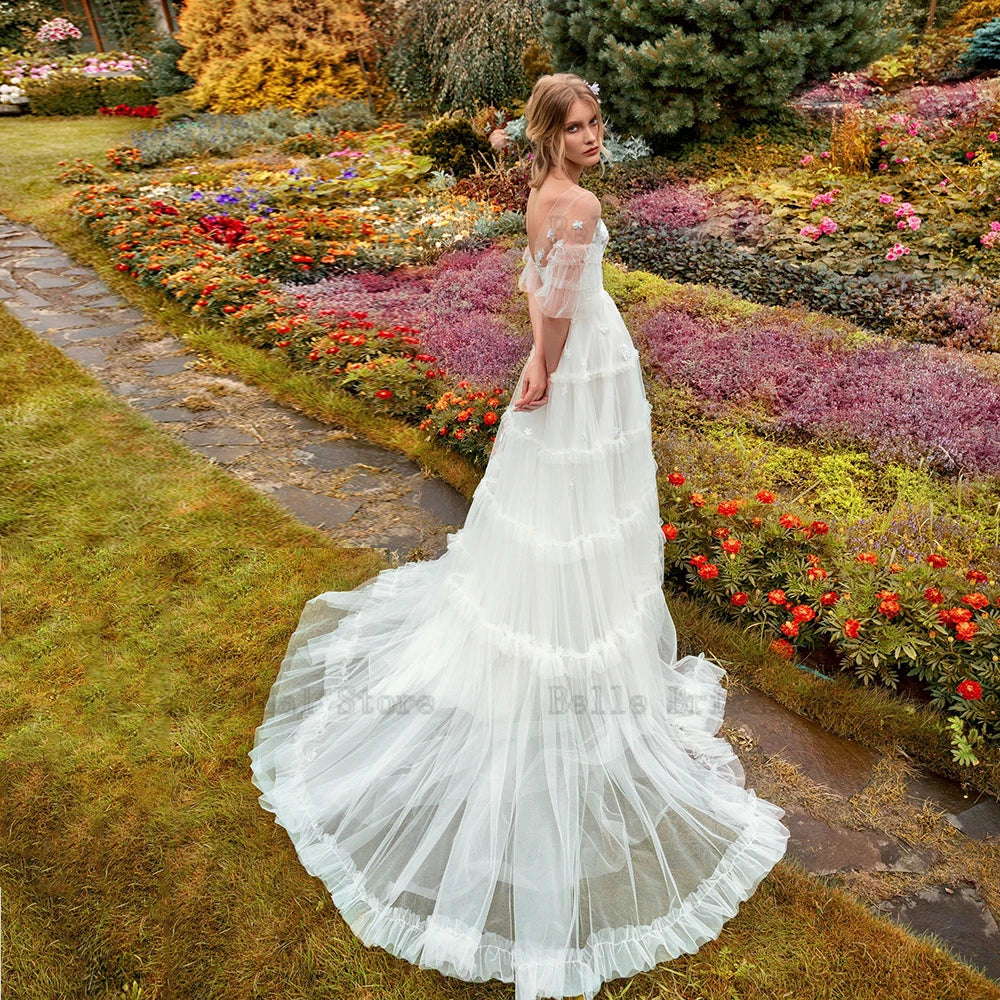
x=564, y=242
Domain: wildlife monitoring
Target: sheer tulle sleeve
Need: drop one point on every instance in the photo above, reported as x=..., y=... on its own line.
x=554, y=276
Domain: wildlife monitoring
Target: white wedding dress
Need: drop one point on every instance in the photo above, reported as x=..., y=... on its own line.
x=494, y=760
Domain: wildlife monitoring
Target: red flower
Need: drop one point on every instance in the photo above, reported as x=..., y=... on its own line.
x=732, y=546
x=851, y=628
x=803, y=613
x=739, y=599
x=669, y=532
x=976, y=576
x=696, y=500
x=675, y=479
x=954, y=616
x=791, y=629
x=776, y=596
x=970, y=690
x=868, y=557
x=976, y=600
x=966, y=630
x=889, y=608
x=816, y=573
x=384, y=393
x=489, y=418
x=783, y=648
x=459, y=433
x=819, y=527
x=765, y=496
x=790, y=521
x=728, y=507
x=721, y=533
x=698, y=560
x=709, y=571
x=934, y=595
x=938, y=562
x=829, y=599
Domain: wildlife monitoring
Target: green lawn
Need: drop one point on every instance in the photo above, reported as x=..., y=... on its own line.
x=148, y=597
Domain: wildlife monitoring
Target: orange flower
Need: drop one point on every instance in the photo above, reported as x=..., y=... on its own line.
x=938, y=562
x=803, y=613
x=696, y=500
x=489, y=418
x=765, y=496
x=669, y=532
x=851, y=628
x=966, y=630
x=868, y=557
x=728, y=507
x=709, y=571
x=976, y=600
x=783, y=648
x=776, y=596
x=732, y=546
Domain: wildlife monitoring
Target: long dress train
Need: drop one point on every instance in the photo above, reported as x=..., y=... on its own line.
x=494, y=760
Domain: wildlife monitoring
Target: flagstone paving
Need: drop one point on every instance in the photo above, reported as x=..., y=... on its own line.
x=920, y=869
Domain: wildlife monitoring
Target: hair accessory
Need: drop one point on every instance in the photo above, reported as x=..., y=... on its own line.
x=594, y=88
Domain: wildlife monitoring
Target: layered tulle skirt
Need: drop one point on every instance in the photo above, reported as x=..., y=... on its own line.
x=494, y=760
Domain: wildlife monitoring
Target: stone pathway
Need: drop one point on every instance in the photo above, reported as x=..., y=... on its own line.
x=912, y=846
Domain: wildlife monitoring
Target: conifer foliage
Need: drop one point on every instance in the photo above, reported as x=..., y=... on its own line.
x=248, y=54
x=668, y=65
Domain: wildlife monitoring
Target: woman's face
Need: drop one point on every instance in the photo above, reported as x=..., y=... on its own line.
x=582, y=133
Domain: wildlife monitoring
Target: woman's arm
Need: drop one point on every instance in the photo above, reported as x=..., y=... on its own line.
x=549, y=334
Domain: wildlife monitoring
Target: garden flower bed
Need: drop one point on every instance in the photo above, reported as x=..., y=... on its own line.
x=393, y=286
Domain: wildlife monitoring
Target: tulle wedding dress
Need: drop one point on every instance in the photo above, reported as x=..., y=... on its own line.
x=494, y=760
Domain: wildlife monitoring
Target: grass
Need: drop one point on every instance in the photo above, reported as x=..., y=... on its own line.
x=148, y=599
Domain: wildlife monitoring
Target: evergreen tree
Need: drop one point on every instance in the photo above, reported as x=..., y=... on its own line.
x=669, y=65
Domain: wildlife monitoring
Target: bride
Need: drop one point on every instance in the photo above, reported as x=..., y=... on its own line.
x=494, y=760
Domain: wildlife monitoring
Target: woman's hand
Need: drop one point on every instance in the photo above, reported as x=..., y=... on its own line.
x=535, y=390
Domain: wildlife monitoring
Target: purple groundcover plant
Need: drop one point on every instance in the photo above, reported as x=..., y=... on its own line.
x=965, y=101
x=464, y=307
x=673, y=206
x=903, y=401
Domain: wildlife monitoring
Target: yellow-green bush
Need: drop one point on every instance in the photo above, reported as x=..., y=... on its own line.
x=248, y=54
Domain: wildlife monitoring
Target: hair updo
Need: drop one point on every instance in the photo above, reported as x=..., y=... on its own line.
x=545, y=114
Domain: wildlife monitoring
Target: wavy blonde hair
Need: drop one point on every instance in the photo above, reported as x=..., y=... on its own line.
x=545, y=115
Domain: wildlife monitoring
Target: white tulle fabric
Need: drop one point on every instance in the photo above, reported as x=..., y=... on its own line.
x=494, y=760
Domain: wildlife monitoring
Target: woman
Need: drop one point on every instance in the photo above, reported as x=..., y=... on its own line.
x=494, y=760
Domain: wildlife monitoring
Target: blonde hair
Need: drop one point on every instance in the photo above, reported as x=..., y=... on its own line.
x=545, y=115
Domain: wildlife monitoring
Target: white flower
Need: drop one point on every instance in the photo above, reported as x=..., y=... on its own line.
x=595, y=88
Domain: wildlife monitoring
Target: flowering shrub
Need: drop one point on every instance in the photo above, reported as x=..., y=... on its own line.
x=887, y=620
x=57, y=30
x=462, y=305
x=81, y=172
x=905, y=402
x=124, y=110
x=467, y=420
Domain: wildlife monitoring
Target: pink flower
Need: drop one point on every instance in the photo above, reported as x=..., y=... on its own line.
x=992, y=137
x=806, y=160
x=886, y=199
x=883, y=166
x=827, y=225
x=914, y=221
x=970, y=155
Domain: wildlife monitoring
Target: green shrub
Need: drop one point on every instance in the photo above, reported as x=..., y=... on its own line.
x=165, y=79
x=64, y=93
x=984, y=49
x=452, y=144
x=130, y=90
